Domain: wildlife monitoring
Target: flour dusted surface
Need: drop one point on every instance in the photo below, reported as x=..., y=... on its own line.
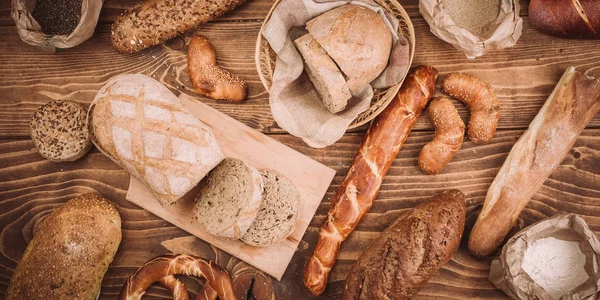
x=555, y=265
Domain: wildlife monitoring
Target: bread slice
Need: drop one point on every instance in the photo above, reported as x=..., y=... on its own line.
x=229, y=199
x=278, y=211
x=59, y=131
x=143, y=127
x=324, y=74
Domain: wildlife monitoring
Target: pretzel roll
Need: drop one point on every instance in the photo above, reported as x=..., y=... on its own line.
x=163, y=266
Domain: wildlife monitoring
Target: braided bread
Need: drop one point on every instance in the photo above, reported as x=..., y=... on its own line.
x=163, y=267
x=359, y=189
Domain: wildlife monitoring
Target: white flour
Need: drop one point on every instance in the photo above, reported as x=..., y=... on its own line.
x=555, y=265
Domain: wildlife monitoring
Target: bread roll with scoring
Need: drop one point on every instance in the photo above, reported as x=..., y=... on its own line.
x=409, y=252
x=153, y=22
x=70, y=253
x=357, y=39
x=375, y=155
x=143, y=127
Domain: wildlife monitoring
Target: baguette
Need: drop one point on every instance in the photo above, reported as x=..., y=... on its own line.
x=572, y=19
x=573, y=103
x=410, y=251
x=377, y=151
x=153, y=22
x=69, y=254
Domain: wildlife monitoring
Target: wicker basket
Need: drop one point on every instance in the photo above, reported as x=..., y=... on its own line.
x=265, y=61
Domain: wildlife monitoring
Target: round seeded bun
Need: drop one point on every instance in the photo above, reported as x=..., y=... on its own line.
x=59, y=131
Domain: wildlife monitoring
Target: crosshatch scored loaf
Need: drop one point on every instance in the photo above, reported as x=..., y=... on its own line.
x=143, y=127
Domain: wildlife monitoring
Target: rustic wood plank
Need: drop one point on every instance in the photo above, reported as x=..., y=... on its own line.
x=30, y=187
x=522, y=76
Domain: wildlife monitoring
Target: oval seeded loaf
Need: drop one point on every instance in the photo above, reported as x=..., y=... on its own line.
x=142, y=126
x=278, y=211
x=229, y=199
x=70, y=253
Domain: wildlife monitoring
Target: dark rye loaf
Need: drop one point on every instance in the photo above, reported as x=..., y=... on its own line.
x=410, y=251
x=278, y=211
x=229, y=199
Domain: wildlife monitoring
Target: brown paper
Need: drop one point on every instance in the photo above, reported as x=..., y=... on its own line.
x=30, y=31
x=507, y=272
x=500, y=34
x=295, y=103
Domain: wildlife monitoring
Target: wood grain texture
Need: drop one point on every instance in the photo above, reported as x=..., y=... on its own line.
x=522, y=76
x=30, y=187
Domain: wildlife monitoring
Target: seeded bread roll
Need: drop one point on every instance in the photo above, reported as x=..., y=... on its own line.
x=324, y=74
x=59, y=131
x=153, y=22
x=278, y=211
x=229, y=199
x=70, y=253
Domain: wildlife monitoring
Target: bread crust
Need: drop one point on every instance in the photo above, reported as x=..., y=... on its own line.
x=71, y=251
x=572, y=19
x=153, y=22
x=357, y=39
x=377, y=151
x=409, y=252
x=552, y=133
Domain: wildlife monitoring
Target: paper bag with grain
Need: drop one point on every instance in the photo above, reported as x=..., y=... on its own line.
x=295, y=104
x=474, y=26
x=556, y=258
x=30, y=31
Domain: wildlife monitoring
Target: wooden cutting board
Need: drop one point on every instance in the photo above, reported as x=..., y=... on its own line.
x=240, y=141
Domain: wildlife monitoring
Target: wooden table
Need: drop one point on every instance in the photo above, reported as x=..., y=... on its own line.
x=523, y=77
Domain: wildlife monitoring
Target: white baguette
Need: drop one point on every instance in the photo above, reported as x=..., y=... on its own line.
x=544, y=145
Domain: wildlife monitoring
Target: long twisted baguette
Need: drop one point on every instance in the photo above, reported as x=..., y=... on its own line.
x=377, y=150
x=163, y=266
